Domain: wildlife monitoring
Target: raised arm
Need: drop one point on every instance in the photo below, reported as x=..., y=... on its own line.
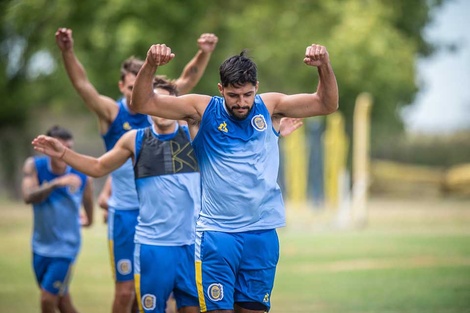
x=104, y=107
x=195, y=68
x=323, y=101
x=95, y=167
x=146, y=101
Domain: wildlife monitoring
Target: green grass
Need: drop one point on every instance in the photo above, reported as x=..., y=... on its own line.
x=413, y=257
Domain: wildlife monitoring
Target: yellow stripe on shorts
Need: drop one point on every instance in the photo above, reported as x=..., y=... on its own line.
x=111, y=255
x=200, y=291
x=137, y=292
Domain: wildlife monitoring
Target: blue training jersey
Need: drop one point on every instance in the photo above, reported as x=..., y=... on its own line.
x=168, y=185
x=123, y=193
x=56, y=229
x=239, y=163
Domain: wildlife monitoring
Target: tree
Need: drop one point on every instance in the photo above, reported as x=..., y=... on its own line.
x=373, y=46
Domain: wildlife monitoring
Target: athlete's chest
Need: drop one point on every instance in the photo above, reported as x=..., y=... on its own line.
x=232, y=136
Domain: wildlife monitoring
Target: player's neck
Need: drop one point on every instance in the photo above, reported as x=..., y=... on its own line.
x=165, y=129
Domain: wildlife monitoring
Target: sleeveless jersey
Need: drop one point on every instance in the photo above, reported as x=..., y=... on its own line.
x=56, y=230
x=123, y=193
x=168, y=185
x=239, y=163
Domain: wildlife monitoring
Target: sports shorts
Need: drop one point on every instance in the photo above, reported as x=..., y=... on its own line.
x=53, y=274
x=161, y=270
x=235, y=267
x=121, y=231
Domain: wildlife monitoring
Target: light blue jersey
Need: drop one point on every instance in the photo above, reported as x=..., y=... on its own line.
x=239, y=162
x=168, y=185
x=123, y=195
x=56, y=230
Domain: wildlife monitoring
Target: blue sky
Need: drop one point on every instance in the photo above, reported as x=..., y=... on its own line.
x=443, y=105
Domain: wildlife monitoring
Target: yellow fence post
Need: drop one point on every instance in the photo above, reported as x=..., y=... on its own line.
x=295, y=166
x=336, y=146
x=361, y=158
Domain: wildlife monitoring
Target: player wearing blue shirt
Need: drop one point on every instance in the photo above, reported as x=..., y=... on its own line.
x=235, y=139
x=168, y=185
x=57, y=193
x=114, y=121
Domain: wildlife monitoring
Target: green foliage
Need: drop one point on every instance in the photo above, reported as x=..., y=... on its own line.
x=372, y=44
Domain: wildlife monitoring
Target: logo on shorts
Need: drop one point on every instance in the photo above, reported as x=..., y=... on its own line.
x=124, y=267
x=215, y=292
x=266, y=298
x=259, y=123
x=149, y=301
x=57, y=284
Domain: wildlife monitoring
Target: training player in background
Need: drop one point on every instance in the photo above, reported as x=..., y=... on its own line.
x=57, y=193
x=116, y=118
x=168, y=183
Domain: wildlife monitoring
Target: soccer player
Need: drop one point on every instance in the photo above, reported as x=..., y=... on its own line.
x=115, y=119
x=168, y=184
x=57, y=192
x=235, y=137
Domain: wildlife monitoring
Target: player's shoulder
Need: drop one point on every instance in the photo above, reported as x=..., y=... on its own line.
x=29, y=164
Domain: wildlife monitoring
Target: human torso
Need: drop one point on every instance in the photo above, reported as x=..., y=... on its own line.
x=239, y=161
x=56, y=231
x=123, y=194
x=168, y=185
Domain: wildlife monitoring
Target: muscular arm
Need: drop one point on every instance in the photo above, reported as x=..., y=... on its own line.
x=146, y=101
x=195, y=68
x=88, y=202
x=323, y=101
x=95, y=167
x=104, y=107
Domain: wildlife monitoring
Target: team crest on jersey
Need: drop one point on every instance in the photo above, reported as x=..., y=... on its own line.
x=259, y=123
x=215, y=292
x=223, y=127
x=124, y=267
x=127, y=126
x=149, y=302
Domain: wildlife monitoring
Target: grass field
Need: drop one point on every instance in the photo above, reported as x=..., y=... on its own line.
x=412, y=257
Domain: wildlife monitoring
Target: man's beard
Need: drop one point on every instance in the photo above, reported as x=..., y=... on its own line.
x=236, y=115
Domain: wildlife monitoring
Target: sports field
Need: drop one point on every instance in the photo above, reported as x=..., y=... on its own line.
x=412, y=257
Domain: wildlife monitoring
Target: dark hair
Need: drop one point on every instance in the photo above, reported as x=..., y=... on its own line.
x=160, y=81
x=237, y=71
x=131, y=65
x=59, y=132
